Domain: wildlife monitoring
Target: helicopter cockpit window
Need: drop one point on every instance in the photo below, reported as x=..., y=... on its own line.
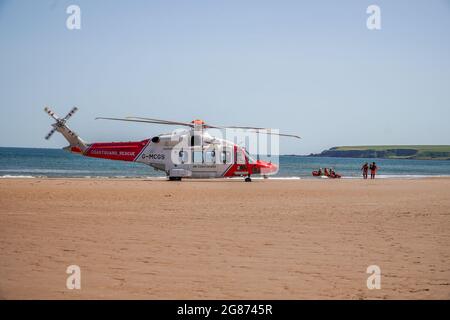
x=240, y=156
x=250, y=159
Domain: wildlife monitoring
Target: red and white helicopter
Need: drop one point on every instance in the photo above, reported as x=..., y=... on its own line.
x=188, y=153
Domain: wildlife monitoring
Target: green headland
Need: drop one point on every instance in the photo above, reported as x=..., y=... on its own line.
x=422, y=152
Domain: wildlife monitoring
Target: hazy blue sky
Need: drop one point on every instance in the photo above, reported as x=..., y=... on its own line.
x=311, y=68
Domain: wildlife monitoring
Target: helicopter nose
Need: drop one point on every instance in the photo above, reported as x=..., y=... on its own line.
x=268, y=167
x=273, y=168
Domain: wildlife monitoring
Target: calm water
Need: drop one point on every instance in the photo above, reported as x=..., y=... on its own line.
x=25, y=162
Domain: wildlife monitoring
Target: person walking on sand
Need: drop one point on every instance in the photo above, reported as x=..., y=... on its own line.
x=373, y=170
x=365, y=170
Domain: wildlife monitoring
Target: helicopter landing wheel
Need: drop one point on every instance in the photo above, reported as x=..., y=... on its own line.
x=248, y=179
x=174, y=178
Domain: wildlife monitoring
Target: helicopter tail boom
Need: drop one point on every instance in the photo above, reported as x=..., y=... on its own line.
x=123, y=151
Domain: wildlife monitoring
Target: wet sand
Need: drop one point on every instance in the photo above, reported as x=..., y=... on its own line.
x=305, y=239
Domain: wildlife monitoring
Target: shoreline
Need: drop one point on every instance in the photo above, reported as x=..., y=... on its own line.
x=257, y=178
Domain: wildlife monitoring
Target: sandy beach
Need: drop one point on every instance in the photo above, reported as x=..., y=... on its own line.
x=269, y=239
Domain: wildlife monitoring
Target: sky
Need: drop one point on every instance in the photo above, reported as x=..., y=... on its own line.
x=311, y=68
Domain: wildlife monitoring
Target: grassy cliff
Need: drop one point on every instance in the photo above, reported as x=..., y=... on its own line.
x=426, y=152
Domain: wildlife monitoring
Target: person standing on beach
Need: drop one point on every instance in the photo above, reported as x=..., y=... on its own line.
x=365, y=170
x=373, y=170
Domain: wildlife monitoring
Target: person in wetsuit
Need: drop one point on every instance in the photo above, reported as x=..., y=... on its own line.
x=365, y=170
x=373, y=170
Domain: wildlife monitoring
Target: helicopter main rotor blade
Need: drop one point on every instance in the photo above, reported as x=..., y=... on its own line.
x=205, y=125
x=191, y=125
x=246, y=128
x=263, y=130
x=163, y=121
x=284, y=135
x=267, y=131
x=145, y=121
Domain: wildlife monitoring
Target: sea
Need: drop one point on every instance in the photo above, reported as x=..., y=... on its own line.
x=57, y=163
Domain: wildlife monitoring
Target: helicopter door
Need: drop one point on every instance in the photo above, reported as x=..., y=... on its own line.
x=241, y=162
x=240, y=156
x=204, y=163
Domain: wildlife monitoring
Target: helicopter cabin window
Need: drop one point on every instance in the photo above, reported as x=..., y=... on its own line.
x=225, y=157
x=198, y=157
x=183, y=155
x=210, y=156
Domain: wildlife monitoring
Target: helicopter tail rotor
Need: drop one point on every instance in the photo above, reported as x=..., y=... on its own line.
x=61, y=127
